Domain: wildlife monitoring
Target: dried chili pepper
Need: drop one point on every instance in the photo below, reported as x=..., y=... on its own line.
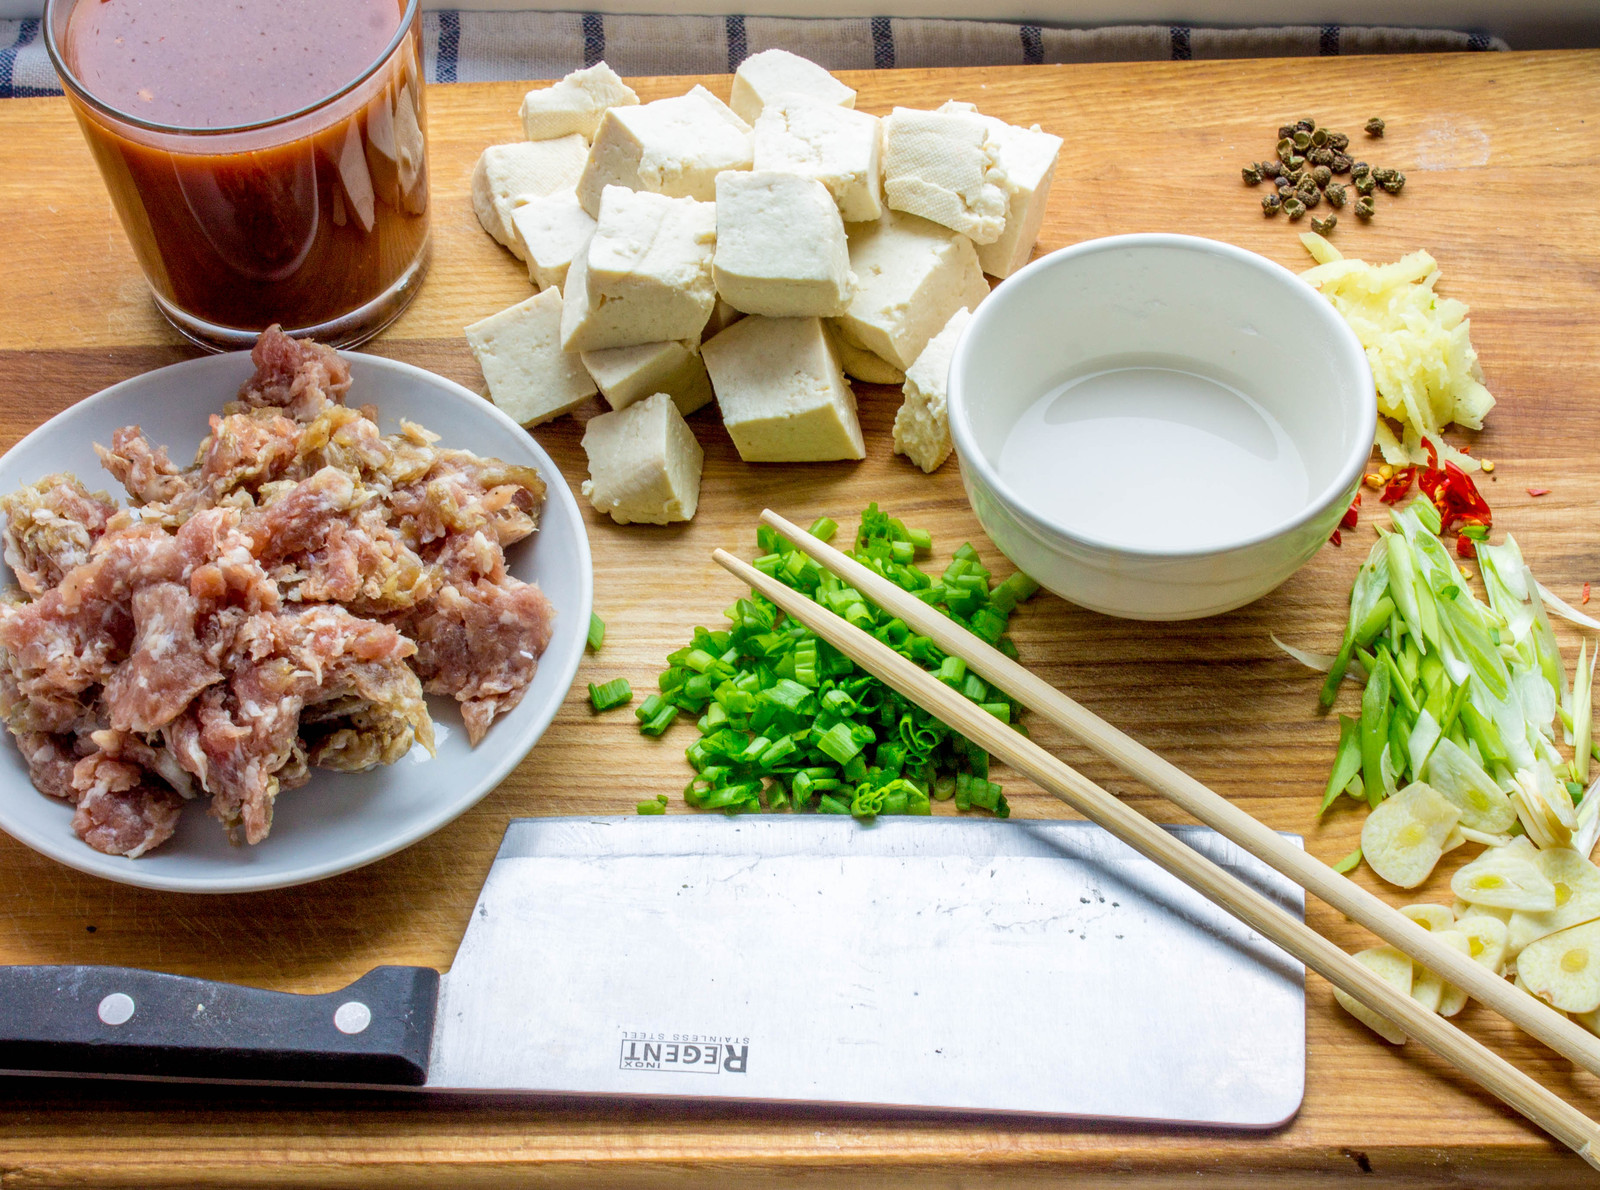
x=1335, y=537
x=1349, y=520
x=1585, y=598
x=1538, y=491
x=1395, y=490
x=1453, y=493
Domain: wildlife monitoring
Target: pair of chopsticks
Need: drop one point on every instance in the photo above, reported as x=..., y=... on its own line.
x=1557, y=1117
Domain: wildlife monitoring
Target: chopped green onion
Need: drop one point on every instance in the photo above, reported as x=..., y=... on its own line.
x=824, y=527
x=1346, y=762
x=839, y=743
x=660, y=721
x=612, y=694
x=1374, y=732
x=1349, y=862
x=786, y=722
x=597, y=632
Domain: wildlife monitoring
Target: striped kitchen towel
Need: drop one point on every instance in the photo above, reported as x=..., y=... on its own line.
x=483, y=46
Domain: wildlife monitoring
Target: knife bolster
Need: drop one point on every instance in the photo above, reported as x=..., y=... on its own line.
x=123, y=1021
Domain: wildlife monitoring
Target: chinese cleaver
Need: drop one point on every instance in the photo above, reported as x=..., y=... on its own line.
x=929, y=963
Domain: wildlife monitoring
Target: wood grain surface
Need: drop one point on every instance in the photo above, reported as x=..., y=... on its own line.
x=1501, y=152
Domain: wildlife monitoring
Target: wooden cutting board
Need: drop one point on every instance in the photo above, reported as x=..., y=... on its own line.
x=1501, y=153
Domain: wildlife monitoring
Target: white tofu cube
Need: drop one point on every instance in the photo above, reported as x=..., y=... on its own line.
x=1028, y=156
x=644, y=464
x=782, y=394
x=507, y=174
x=911, y=275
x=675, y=147
x=945, y=166
x=861, y=364
x=575, y=104
x=646, y=277
x=839, y=147
x=629, y=374
x=764, y=77
x=781, y=248
x=722, y=317
x=519, y=350
x=922, y=425
x=554, y=231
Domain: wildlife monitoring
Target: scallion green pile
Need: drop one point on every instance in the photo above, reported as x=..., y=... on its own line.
x=1464, y=694
x=788, y=722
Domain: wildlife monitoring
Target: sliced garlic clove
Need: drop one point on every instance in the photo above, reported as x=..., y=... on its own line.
x=1486, y=940
x=1563, y=969
x=1392, y=967
x=1506, y=878
x=1430, y=917
x=1404, y=837
x=1468, y=909
x=1484, y=805
x=1577, y=887
x=1451, y=998
x=1426, y=988
x=1454, y=839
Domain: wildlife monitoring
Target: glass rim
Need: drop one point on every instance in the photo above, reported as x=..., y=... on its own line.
x=76, y=85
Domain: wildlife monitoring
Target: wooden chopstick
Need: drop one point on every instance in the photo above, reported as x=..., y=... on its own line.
x=1549, y=1026
x=1557, y=1117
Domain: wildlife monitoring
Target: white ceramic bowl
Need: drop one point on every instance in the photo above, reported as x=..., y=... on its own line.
x=1201, y=306
x=337, y=821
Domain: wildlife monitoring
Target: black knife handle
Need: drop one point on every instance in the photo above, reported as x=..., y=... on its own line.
x=121, y=1021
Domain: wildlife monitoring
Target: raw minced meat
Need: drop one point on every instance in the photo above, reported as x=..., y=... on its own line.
x=50, y=527
x=282, y=603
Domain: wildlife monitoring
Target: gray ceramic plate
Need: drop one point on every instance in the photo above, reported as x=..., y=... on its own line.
x=337, y=821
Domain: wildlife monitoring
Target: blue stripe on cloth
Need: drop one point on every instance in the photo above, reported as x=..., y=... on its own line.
x=522, y=45
x=26, y=32
x=1328, y=41
x=738, y=42
x=594, y=39
x=1032, y=44
x=449, y=46
x=882, y=43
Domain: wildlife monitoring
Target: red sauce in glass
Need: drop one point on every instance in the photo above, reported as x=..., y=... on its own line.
x=299, y=223
x=222, y=63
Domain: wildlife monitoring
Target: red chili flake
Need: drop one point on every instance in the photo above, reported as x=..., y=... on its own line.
x=1585, y=598
x=1453, y=493
x=1349, y=520
x=1395, y=490
x=1336, y=538
x=1466, y=547
x=1538, y=491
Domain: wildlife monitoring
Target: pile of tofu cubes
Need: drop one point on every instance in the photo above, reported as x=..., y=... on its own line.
x=758, y=254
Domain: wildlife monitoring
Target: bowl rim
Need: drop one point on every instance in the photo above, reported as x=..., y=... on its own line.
x=970, y=455
x=82, y=858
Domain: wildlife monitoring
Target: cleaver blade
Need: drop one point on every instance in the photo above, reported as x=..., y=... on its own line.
x=941, y=963
x=937, y=963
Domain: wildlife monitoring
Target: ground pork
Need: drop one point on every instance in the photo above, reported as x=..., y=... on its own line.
x=50, y=527
x=283, y=602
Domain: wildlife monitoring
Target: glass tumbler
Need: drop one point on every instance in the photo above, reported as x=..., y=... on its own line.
x=317, y=220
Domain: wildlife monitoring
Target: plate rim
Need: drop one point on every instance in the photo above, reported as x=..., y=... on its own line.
x=556, y=488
